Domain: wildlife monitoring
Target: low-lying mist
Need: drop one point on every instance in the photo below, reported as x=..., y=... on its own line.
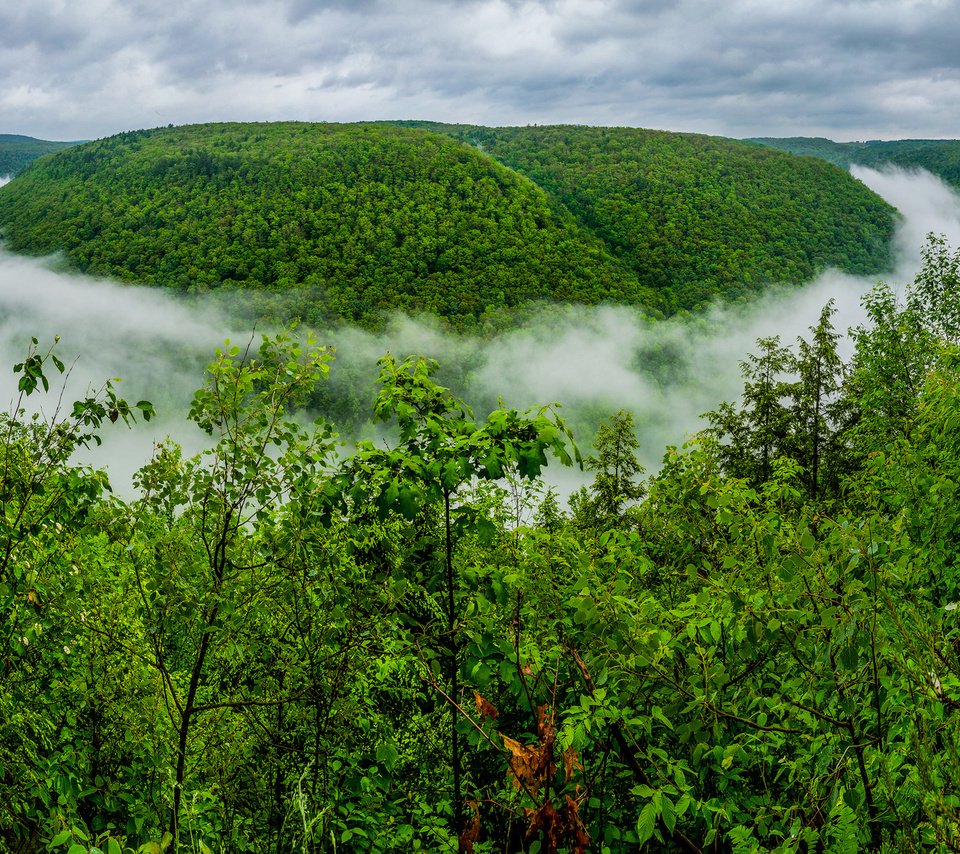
x=593, y=361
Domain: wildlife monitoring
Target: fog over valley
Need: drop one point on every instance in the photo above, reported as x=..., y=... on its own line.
x=716, y=245
x=593, y=361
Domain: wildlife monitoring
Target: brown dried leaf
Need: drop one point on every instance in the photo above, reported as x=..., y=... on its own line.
x=524, y=764
x=469, y=835
x=573, y=827
x=485, y=709
x=571, y=764
x=547, y=820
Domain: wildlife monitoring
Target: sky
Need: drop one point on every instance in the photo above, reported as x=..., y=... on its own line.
x=844, y=69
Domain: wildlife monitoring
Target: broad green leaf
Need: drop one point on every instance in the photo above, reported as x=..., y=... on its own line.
x=646, y=823
x=60, y=838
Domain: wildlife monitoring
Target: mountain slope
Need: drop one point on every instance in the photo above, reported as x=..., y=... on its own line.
x=351, y=221
x=17, y=151
x=939, y=156
x=696, y=215
x=363, y=219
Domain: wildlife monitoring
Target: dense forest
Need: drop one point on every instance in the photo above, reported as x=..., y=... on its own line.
x=352, y=221
x=696, y=215
x=17, y=151
x=413, y=646
x=939, y=156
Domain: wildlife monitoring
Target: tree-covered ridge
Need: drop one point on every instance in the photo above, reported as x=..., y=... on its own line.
x=414, y=648
x=698, y=216
x=939, y=156
x=17, y=151
x=357, y=220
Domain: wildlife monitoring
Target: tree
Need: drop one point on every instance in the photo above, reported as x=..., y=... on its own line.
x=201, y=576
x=899, y=345
x=815, y=407
x=442, y=453
x=47, y=506
x=754, y=434
x=615, y=485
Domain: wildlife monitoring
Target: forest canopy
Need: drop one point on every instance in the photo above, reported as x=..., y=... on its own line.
x=938, y=156
x=353, y=221
x=17, y=151
x=698, y=216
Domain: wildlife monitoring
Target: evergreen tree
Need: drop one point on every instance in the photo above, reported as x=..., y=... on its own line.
x=615, y=485
x=815, y=406
x=761, y=428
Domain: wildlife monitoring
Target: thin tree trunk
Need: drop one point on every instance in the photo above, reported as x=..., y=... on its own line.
x=453, y=674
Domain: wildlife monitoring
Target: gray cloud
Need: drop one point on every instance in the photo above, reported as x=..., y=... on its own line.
x=856, y=69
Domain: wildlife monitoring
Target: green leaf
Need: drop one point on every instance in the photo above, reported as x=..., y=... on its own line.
x=646, y=823
x=852, y=798
x=387, y=754
x=668, y=814
x=60, y=838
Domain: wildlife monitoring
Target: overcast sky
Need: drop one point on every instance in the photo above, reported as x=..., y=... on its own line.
x=846, y=69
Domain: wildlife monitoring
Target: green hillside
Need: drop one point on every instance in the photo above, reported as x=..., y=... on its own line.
x=696, y=215
x=358, y=220
x=16, y=151
x=939, y=156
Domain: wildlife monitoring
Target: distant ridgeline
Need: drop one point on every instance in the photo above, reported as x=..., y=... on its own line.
x=939, y=156
x=16, y=151
x=352, y=221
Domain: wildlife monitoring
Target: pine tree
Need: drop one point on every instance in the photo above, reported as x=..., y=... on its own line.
x=615, y=485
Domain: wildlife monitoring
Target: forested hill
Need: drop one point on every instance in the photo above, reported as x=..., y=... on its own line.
x=697, y=215
x=939, y=156
x=17, y=151
x=357, y=220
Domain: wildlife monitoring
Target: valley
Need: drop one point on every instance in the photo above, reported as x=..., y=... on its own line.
x=658, y=555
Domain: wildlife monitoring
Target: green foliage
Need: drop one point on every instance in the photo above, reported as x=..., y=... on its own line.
x=615, y=486
x=350, y=222
x=442, y=454
x=939, y=156
x=791, y=407
x=696, y=217
x=17, y=152
x=338, y=221
x=412, y=648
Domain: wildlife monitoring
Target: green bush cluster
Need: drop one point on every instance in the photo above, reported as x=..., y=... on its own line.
x=415, y=648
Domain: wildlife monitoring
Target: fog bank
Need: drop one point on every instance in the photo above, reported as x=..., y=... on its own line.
x=594, y=361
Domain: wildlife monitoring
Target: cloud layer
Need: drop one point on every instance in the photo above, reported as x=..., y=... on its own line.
x=594, y=361
x=849, y=70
